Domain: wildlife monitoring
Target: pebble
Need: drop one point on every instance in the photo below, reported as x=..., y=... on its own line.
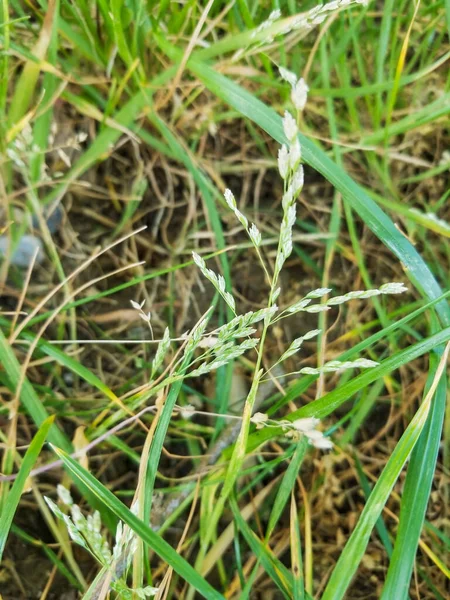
x=29, y=243
x=24, y=251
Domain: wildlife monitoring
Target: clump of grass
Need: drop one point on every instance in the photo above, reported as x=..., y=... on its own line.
x=145, y=132
x=219, y=348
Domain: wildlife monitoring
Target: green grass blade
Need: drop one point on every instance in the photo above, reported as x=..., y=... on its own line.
x=154, y=541
x=361, y=412
x=287, y=485
x=447, y=15
x=353, y=552
x=380, y=525
x=382, y=50
x=42, y=124
x=160, y=436
x=13, y=498
x=432, y=112
x=26, y=83
x=273, y=567
x=73, y=365
x=4, y=69
x=416, y=493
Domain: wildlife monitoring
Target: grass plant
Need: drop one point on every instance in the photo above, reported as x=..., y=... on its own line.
x=223, y=361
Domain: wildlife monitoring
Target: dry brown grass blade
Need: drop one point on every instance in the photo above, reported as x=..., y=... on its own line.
x=50, y=319
x=187, y=53
x=74, y=273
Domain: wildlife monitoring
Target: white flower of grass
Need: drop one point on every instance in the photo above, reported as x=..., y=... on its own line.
x=136, y=305
x=316, y=308
x=146, y=592
x=275, y=295
x=286, y=232
x=259, y=419
x=217, y=280
x=144, y=316
x=208, y=342
x=290, y=216
x=295, y=154
x=330, y=6
x=393, y=288
x=163, y=348
x=311, y=334
x=318, y=293
x=305, y=425
x=289, y=126
x=297, y=181
x=288, y=198
x=299, y=94
x=300, y=305
x=196, y=334
x=274, y=16
x=334, y=366
x=231, y=201
x=64, y=495
x=255, y=235
x=240, y=325
x=187, y=411
x=283, y=161
x=82, y=531
x=288, y=76
x=297, y=344
x=224, y=354
x=322, y=443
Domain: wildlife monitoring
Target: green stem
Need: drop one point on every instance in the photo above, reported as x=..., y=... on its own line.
x=238, y=455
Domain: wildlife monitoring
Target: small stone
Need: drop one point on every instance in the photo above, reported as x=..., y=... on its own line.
x=25, y=249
